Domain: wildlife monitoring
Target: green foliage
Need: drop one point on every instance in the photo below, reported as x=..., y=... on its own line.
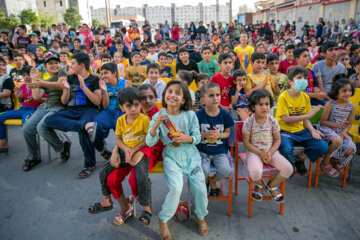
x=72, y=17
x=96, y=23
x=28, y=16
x=8, y=22
x=46, y=21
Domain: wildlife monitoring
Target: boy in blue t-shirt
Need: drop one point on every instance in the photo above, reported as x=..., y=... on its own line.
x=215, y=125
x=239, y=100
x=105, y=120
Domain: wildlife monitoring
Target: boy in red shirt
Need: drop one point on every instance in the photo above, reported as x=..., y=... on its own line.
x=224, y=80
x=289, y=61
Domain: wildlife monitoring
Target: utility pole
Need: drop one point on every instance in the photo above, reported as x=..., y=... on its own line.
x=217, y=11
x=107, y=10
x=230, y=12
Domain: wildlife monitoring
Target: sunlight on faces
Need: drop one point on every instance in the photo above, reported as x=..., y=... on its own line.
x=52, y=66
x=147, y=100
x=211, y=97
x=174, y=96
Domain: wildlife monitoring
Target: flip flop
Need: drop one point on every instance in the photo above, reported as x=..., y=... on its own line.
x=146, y=216
x=98, y=208
x=119, y=219
x=203, y=227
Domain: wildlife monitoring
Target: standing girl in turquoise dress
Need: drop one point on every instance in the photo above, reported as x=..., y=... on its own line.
x=180, y=154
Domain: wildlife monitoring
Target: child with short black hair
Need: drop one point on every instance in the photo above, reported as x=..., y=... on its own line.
x=289, y=61
x=224, y=79
x=200, y=80
x=261, y=137
x=64, y=62
x=15, y=73
x=239, y=100
x=144, y=52
x=215, y=124
x=278, y=80
x=165, y=71
x=208, y=65
x=6, y=88
x=185, y=63
x=136, y=73
x=152, y=54
x=153, y=71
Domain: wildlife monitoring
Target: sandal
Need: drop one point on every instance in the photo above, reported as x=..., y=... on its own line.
x=4, y=150
x=119, y=219
x=279, y=198
x=145, y=215
x=257, y=196
x=98, y=208
x=29, y=164
x=92, y=132
x=86, y=172
x=106, y=155
x=336, y=164
x=165, y=233
x=214, y=192
x=329, y=170
x=203, y=227
x=65, y=155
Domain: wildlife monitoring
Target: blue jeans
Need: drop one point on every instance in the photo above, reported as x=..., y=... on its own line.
x=24, y=113
x=74, y=119
x=36, y=124
x=313, y=148
x=105, y=120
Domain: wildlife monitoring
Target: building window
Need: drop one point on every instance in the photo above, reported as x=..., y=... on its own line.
x=44, y=3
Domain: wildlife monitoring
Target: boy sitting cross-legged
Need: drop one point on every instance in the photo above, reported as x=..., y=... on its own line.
x=215, y=124
x=293, y=114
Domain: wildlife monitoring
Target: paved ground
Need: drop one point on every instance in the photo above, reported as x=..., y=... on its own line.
x=49, y=202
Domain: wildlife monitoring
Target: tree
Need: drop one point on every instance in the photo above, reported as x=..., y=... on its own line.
x=8, y=22
x=96, y=23
x=46, y=21
x=72, y=17
x=28, y=16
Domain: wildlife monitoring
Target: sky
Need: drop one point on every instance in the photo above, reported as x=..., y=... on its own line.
x=139, y=3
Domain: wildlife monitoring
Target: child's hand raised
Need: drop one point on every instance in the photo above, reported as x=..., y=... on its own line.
x=64, y=82
x=127, y=83
x=102, y=85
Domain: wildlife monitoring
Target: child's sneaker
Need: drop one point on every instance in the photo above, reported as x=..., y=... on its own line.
x=300, y=166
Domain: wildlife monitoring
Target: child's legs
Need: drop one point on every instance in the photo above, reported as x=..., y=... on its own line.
x=222, y=166
x=143, y=182
x=198, y=188
x=255, y=166
x=174, y=180
x=133, y=183
x=335, y=143
x=104, y=173
x=287, y=146
x=115, y=179
x=243, y=113
x=205, y=164
x=282, y=165
x=314, y=148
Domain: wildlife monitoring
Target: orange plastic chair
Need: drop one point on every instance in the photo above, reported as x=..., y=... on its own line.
x=268, y=170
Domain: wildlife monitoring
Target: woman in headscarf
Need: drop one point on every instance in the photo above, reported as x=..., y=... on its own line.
x=86, y=37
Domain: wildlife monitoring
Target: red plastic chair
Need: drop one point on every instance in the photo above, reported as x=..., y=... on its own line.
x=268, y=170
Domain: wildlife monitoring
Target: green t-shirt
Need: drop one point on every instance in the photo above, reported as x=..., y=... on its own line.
x=208, y=68
x=54, y=96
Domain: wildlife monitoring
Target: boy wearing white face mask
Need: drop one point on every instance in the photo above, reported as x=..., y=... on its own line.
x=293, y=114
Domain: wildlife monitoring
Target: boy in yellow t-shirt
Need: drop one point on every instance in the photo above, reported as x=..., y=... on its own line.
x=258, y=79
x=244, y=52
x=130, y=151
x=293, y=114
x=136, y=73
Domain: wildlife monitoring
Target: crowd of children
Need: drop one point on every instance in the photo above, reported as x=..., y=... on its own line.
x=103, y=84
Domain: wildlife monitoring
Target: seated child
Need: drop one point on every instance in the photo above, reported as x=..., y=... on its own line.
x=239, y=100
x=335, y=124
x=148, y=100
x=29, y=105
x=224, y=79
x=289, y=61
x=355, y=78
x=165, y=71
x=144, y=52
x=278, y=80
x=152, y=54
x=153, y=71
x=261, y=137
x=180, y=145
x=215, y=124
x=118, y=59
x=185, y=63
x=136, y=73
x=344, y=58
x=64, y=62
x=6, y=88
x=187, y=77
x=293, y=114
x=208, y=65
x=201, y=79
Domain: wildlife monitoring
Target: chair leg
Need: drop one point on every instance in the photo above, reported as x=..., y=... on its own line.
x=38, y=140
x=310, y=174
x=230, y=197
x=350, y=172
x=49, y=152
x=189, y=197
x=317, y=172
x=236, y=169
x=250, y=198
x=282, y=186
x=345, y=175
